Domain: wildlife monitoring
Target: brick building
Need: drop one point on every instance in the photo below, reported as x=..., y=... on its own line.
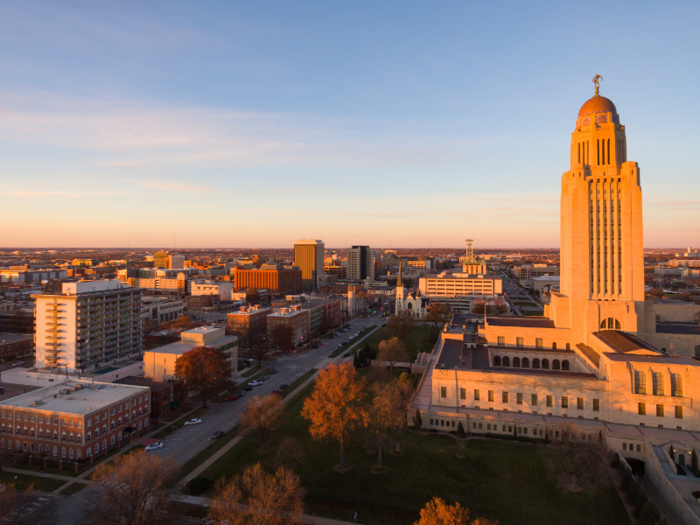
x=74, y=420
x=163, y=395
x=248, y=321
x=13, y=346
x=276, y=279
x=295, y=317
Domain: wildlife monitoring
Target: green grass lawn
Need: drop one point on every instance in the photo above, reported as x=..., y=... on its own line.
x=420, y=339
x=501, y=480
x=24, y=481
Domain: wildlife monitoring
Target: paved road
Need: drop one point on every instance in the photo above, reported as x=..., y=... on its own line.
x=187, y=442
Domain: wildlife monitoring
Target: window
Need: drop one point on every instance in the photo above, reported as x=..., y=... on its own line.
x=525, y=363
x=679, y=412
x=516, y=362
x=565, y=401
x=491, y=396
x=556, y=365
x=501, y=340
x=89, y=437
x=676, y=385
x=70, y=453
x=506, y=361
x=640, y=382
x=497, y=361
x=519, y=341
x=610, y=324
x=579, y=403
x=565, y=365
x=659, y=410
x=535, y=363
x=642, y=409
x=545, y=364
x=504, y=397
x=596, y=405
x=477, y=395
x=533, y=399
x=624, y=446
x=550, y=401
x=657, y=379
x=519, y=396
x=443, y=393
x=539, y=343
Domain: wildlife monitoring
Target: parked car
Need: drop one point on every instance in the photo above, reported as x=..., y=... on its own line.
x=276, y=392
x=195, y=421
x=274, y=372
x=248, y=389
x=18, y=363
x=232, y=397
x=283, y=386
x=155, y=446
x=254, y=383
x=217, y=434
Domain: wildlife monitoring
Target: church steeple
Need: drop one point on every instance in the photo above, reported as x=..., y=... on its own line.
x=399, y=281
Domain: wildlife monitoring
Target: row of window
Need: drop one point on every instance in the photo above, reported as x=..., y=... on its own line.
x=30, y=431
x=536, y=363
x=520, y=397
x=660, y=410
x=493, y=427
x=520, y=342
x=41, y=419
x=657, y=378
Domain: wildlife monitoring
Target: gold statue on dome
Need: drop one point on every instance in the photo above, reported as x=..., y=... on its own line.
x=596, y=80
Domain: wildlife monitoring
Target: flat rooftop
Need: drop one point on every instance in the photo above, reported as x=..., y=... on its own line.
x=85, y=398
x=623, y=343
x=180, y=347
x=520, y=322
x=678, y=328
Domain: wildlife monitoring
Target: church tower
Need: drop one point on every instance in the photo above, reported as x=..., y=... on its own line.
x=602, y=265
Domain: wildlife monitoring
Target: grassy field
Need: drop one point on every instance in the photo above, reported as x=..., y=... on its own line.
x=23, y=482
x=419, y=339
x=501, y=480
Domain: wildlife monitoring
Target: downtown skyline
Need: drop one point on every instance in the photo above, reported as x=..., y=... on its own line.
x=397, y=125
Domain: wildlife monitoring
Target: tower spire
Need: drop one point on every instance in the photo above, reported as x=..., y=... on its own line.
x=399, y=281
x=596, y=81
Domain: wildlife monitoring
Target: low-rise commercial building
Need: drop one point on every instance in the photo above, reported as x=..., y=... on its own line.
x=161, y=309
x=14, y=346
x=249, y=321
x=73, y=420
x=222, y=289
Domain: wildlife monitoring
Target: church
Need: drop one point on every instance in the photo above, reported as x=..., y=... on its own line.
x=595, y=358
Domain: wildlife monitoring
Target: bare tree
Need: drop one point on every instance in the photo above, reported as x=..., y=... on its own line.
x=259, y=498
x=400, y=325
x=393, y=351
x=262, y=417
x=395, y=398
x=575, y=463
x=133, y=489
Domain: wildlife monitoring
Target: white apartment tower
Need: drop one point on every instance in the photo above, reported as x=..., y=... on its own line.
x=90, y=324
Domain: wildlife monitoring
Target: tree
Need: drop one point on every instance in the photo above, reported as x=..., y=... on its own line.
x=379, y=420
x=283, y=336
x=399, y=325
x=252, y=296
x=203, y=369
x=262, y=417
x=437, y=512
x=439, y=313
x=133, y=489
x=650, y=514
x=259, y=347
x=393, y=351
x=335, y=407
x=571, y=461
x=417, y=421
x=289, y=454
x=395, y=398
x=182, y=323
x=259, y=498
x=500, y=307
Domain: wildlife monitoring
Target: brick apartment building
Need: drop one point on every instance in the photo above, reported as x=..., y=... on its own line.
x=295, y=317
x=73, y=420
x=276, y=279
x=249, y=321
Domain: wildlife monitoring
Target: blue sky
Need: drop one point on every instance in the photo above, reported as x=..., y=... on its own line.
x=394, y=124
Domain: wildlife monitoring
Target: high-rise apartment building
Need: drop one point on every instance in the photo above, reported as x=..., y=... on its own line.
x=308, y=256
x=89, y=324
x=360, y=263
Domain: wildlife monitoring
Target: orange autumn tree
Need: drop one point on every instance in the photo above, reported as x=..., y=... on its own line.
x=335, y=407
x=204, y=369
x=438, y=512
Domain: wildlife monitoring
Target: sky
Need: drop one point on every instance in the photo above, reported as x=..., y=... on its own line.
x=392, y=124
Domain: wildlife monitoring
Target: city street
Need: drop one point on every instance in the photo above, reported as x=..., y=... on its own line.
x=187, y=442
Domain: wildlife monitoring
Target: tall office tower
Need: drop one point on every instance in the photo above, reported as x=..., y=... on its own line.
x=89, y=324
x=308, y=256
x=602, y=263
x=360, y=263
x=176, y=262
x=161, y=259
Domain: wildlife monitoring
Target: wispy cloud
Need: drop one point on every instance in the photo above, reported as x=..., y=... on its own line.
x=175, y=186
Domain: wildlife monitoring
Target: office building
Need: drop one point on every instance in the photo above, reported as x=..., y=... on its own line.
x=90, y=324
x=276, y=279
x=308, y=256
x=360, y=263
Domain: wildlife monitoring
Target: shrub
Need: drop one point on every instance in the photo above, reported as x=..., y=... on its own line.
x=198, y=486
x=627, y=480
x=639, y=501
x=650, y=514
x=417, y=420
x=634, y=490
x=460, y=431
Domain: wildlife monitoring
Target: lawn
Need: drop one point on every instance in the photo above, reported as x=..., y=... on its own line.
x=420, y=339
x=501, y=480
x=24, y=481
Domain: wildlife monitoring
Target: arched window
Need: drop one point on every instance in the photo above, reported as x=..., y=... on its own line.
x=55, y=451
x=41, y=448
x=70, y=437
x=610, y=324
x=506, y=361
x=535, y=363
x=88, y=453
x=24, y=446
x=564, y=365
x=55, y=435
x=640, y=382
x=526, y=362
x=496, y=361
x=77, y=454
x=657, y=380
x=555, y=364
x=70, y=453
x=31, y=447
x=31, y=432
x=676, y=385
x=63, y=452
x=516, y=362
x=545, y=364
x=554, y=346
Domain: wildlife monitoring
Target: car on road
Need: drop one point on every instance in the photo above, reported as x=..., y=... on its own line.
x=232, y=397
x=155, y=446
x=273, y=372
x=283, y=386
x=248, y=389
x=276, y=392
x=18, y=363
x=195, y=421
x=344, y=330
x=217, y=434
x=255, y=383
x=317, y=345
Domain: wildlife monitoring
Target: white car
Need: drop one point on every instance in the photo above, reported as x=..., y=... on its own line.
x=255, y=383
x=154, y=446
x=194, y=421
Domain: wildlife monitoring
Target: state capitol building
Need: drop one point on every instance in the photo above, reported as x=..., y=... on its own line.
x=595, y=359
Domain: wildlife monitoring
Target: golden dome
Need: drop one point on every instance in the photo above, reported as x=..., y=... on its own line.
x=597, y=104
